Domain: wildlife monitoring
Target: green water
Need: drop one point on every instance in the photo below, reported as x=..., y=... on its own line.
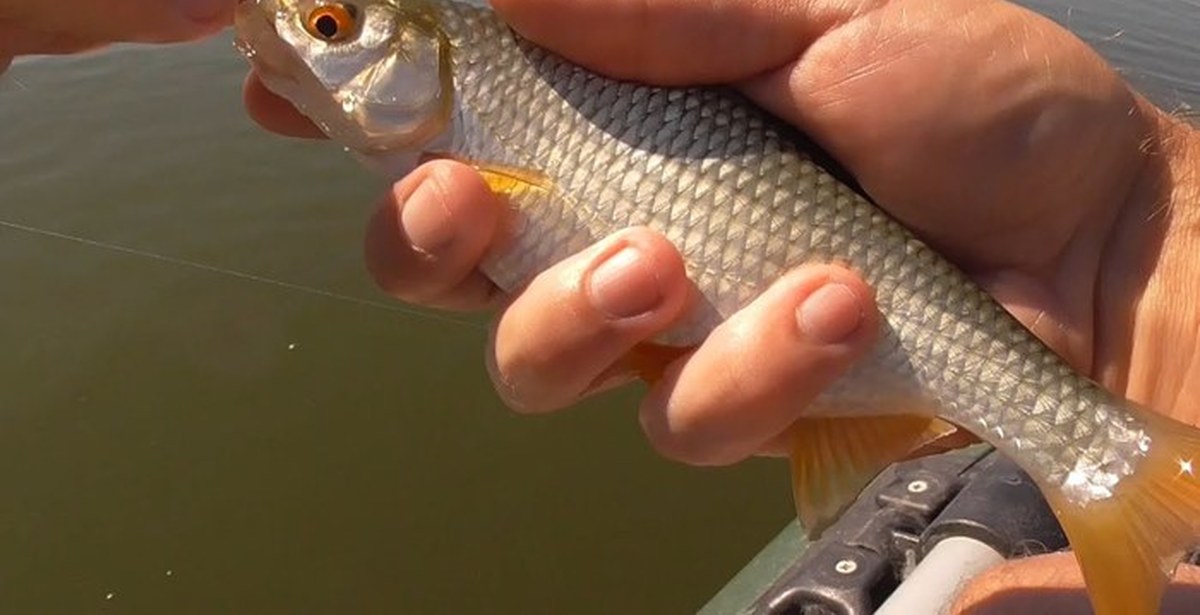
x=181, y=440
x=184, y=439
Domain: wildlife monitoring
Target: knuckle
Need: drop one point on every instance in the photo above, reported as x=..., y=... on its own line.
x=511, y=394
x=517, y=382
x=521, y=399
x=513, y=400
x=672, y=440
x=391, y=279
x=394, y=266
x=384, y=276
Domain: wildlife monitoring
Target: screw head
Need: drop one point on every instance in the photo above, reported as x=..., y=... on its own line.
x=918, y=486
x=846, y=566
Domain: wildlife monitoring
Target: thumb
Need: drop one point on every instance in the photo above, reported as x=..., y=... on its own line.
x=50, y=27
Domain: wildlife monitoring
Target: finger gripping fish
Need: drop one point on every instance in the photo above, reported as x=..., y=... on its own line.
x=580, y=156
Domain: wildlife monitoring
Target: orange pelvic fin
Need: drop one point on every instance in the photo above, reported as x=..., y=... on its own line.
x=833, y=459
x=514, y=182
x=504, y=180
x=1128, y=545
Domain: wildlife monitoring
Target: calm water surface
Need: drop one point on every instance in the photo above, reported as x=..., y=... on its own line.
x=190, y=440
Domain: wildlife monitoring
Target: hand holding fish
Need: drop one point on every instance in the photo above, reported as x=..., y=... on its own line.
x=1001, y=140
x=1041, y=188
x=69, y=26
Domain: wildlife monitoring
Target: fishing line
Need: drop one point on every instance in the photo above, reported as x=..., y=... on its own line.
x=240, y=275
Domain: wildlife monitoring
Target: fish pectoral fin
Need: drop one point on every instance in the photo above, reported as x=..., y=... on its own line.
x=834, y=458
x=504, y=180
x=1129, y=543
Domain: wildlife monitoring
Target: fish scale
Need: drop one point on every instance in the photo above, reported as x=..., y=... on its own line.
x=733, y=189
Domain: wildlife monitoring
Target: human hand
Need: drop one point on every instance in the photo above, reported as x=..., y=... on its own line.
x=998, y=137
x=1053, y=585
x=41, y=27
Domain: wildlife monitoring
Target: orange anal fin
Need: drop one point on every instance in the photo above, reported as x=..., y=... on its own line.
x=943, y=438
x=649, y=361
x=1129, y=544
x=833, y=459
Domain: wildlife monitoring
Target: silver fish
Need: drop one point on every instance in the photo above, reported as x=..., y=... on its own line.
x=580, y=156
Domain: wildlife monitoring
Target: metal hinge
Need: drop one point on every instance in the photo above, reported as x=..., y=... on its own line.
x=874, y=549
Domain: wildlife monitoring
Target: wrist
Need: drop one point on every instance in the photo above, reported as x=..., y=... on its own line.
x=1151, y=327
x=1185, y=197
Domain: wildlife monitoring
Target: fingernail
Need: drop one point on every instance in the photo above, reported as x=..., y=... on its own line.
x=625, y=285
x=202, y=11
x=831, y=314
x=425, y=218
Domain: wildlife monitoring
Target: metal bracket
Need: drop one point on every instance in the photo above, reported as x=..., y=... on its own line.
x=899, y=518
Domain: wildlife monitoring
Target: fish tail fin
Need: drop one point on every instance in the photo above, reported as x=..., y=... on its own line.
x=1129, y=545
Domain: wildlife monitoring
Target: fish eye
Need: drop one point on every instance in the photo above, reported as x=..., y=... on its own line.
x=332, y=23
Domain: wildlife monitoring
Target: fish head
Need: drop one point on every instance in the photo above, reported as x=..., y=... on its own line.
x=374, y=75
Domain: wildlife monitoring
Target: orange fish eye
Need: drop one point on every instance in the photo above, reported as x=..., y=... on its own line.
x=332, y=23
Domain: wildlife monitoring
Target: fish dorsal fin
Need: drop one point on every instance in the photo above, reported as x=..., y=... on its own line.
x=833, y=459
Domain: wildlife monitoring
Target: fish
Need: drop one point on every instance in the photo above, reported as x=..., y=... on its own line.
x=577, y=156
